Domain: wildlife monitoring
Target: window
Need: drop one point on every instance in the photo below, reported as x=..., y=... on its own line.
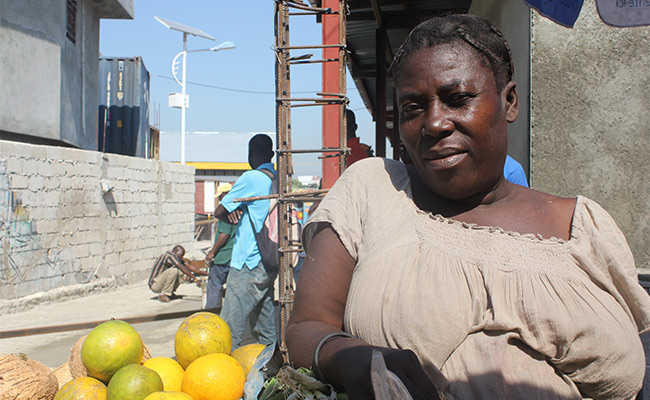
x=71, y=29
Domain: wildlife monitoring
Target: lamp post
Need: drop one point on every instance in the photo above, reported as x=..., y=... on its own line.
x=223, y=46
x=188, y=30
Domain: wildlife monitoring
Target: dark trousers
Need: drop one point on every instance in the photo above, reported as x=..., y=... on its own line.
x=216, y=279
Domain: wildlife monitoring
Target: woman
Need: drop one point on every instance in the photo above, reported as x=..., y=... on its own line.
x=469, y=285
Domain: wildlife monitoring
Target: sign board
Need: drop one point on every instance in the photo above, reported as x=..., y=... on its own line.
x=176, y=100
x=624, y=13
x=563, y=12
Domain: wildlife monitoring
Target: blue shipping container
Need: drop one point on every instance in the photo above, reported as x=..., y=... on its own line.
x=123, y=106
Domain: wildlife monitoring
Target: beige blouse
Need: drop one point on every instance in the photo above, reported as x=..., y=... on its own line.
x=491, y=314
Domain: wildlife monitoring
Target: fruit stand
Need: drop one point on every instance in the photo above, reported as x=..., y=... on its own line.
x=112, y=362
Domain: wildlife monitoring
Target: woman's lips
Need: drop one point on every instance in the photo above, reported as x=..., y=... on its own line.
x=445, y=161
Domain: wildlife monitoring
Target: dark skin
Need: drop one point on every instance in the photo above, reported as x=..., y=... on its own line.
x=188, y=269
x=220, y=242
x=254, y=160
x=453, y=122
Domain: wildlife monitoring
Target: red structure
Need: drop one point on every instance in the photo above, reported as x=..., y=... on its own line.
x=331, y=84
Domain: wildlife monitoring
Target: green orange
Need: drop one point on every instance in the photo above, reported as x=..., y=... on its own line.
x=109, y=347
x=133, y=382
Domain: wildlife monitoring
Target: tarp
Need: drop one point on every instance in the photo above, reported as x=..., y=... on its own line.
x=620, y=13
x=624, y=13
x=563, y=12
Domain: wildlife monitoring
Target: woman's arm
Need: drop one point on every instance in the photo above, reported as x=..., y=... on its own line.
x=318, y=310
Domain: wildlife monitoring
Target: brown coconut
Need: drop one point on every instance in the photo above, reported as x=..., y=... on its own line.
x=76, y=366
x=63, y=374
x=25, y=379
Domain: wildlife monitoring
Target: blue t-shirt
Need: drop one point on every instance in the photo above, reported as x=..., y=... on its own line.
x=514, y=172
x=250, y=184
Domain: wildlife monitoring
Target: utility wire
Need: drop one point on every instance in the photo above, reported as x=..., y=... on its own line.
x=228, y=89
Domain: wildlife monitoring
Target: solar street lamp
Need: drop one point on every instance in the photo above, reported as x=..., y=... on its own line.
x=183, y=104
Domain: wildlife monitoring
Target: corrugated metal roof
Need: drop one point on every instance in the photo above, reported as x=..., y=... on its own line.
x=228, y=147
x=397, y=17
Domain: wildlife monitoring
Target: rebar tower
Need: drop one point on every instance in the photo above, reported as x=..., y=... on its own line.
x=284, y=11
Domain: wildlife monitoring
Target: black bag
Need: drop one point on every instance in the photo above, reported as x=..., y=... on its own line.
x=267, y=239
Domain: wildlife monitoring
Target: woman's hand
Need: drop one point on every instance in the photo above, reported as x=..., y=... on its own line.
x=352, y=366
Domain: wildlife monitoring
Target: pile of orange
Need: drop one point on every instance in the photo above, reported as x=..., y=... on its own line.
x=112, y=355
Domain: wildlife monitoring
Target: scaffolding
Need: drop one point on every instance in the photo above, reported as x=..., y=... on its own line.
x=288, y=243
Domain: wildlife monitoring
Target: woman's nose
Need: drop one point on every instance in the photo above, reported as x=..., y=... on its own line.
x=437, y=122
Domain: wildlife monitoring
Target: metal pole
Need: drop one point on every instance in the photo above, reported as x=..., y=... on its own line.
x=183, y=101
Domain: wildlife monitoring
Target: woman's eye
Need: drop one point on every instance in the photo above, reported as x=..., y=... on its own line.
x=459, y=99
x=410, y=109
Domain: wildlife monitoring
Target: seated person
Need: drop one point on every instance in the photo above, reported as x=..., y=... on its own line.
x=469, y=285
x=167, y=271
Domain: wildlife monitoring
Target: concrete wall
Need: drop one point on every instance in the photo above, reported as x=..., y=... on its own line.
x=80, y=81
x=30, y=67
x=512, y=18
x=50, y=84
x=59, y=228
x=590, y=131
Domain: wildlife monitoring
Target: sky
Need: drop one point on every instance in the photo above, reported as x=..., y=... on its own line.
x=230, y=90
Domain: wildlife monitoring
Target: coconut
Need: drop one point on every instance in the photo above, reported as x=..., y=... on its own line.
x=63, y=374
x=25, y=379
x=76, y=366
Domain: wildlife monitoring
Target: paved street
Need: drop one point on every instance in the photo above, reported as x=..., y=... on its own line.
x=53, y=349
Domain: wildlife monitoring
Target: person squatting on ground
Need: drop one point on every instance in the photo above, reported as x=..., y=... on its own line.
x=167, y=271
x=249, y=287
x=219, y=255
x=469, y=285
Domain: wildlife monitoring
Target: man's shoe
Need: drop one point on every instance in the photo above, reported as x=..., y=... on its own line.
x=163, y=298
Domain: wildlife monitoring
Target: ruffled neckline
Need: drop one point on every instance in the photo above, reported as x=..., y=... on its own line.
x=535, y=237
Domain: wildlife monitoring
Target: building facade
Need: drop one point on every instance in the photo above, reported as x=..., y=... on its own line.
x=49, y=69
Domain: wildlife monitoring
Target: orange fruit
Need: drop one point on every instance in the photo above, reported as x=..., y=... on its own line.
x=168, y=396
x=82, y=388
x=170, y=372
x=246, y=355
x=216, y=376
x=200, y=334
x=133, y=382
x=109, y=347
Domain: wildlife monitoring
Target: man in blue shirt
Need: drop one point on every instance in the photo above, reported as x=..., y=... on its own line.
x=249, y=287
x=514, y=172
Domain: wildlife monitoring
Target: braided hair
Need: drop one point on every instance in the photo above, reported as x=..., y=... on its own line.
x=478, y=32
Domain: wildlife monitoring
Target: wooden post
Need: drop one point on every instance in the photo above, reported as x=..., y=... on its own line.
x=380, y=102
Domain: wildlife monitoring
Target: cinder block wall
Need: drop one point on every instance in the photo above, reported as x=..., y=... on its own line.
x=590, y=126
x=72, y=217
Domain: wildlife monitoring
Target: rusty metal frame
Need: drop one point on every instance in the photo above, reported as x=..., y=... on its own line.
x=284, y=103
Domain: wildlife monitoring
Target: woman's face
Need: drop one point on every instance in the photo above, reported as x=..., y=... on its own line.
x=453, y=121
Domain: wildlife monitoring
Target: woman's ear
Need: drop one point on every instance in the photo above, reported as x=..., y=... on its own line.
x=511, y=101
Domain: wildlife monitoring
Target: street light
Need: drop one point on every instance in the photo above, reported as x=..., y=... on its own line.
x=187, y=30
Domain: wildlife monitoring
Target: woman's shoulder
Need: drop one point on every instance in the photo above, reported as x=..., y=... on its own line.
x=374, y=173
x=593, y=219
x=377, y=165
